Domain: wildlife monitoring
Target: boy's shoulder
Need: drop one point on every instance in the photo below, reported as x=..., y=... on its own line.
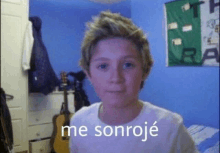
x=85, y=112
x=163, y=115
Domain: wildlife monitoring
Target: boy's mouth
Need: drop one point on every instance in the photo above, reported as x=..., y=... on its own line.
x=115, y=91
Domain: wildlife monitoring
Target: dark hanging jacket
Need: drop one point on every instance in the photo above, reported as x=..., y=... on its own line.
x=6, y=136
x=42, y=77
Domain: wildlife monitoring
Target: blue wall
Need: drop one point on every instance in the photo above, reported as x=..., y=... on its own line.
x=193, y=92
x=63, y=25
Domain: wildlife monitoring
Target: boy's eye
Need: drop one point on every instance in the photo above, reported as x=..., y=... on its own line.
x=103, y=66
x=128, y=65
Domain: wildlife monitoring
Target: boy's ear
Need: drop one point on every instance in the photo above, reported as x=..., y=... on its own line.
x=145, y=76
x=87, y=75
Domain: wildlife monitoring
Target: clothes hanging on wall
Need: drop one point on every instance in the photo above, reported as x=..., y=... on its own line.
x=6, y=133
x=27, y=47
x=41, y=75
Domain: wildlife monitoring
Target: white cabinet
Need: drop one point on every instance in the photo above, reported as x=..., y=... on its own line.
x=40, y=146
x=40, y=118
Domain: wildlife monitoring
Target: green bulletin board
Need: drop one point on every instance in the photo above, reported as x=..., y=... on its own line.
x=190, y=39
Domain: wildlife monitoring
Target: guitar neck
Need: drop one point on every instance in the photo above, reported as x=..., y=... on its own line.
x=66, y=109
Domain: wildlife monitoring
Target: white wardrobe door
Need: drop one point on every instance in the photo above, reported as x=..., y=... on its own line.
x=14, y=18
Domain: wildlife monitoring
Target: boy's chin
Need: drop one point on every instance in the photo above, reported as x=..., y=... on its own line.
x=115, y=103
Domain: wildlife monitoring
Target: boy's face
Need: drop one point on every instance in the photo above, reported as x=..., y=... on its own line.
x=116, y=72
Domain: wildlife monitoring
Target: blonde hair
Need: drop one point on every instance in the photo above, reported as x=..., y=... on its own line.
x=110, y=25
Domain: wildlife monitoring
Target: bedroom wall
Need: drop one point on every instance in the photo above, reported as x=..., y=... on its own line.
x=193, y=92
x=63, y=26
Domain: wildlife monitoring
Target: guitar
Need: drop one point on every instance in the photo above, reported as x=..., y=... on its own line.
x=60, y=144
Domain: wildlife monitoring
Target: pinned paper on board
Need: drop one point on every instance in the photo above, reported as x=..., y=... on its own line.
x=177, y=41
x=186, y=7
x=187, y=27
x=172, y=26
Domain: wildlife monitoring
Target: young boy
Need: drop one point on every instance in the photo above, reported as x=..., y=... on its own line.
x=117, y=60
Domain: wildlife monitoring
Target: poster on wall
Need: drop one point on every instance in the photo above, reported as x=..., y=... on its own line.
x=192, y=33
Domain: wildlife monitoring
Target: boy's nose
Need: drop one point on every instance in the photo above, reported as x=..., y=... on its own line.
x=116, y=76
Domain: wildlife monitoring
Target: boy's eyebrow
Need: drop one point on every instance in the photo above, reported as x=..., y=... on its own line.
x=101, y=59
x=130, y=56
x=106, y=59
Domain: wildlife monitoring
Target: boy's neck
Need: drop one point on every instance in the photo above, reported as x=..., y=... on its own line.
x=119, y=116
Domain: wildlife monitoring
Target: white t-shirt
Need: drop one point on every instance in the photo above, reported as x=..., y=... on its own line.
x=138, y=136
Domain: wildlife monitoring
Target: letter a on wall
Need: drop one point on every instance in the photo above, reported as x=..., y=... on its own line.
x=192, y=32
